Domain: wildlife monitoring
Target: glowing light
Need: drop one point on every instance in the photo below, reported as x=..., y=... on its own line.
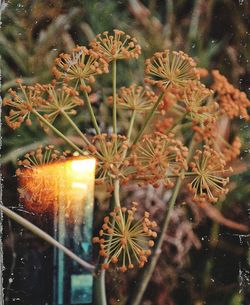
x=83, y=167
x=70, y=182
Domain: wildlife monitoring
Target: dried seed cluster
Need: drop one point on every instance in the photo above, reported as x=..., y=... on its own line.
x=125, y=240
x=116, y=46
x=168, y=68
x=135, y=98
x=210, y=175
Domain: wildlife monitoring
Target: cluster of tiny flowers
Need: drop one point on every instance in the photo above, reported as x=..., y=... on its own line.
x=125, y=240
x=232, y=101
x=194, y=99
x=82, y=65
x=156, y=156
x=164, y=124
x=171, y=97
x=22, y=104
x=135, y=98
x=232, y=151
x=38, y=184
x=57, y=100
x=108, y=150
x=116, y=46
x=210, y=175
x=168, y=68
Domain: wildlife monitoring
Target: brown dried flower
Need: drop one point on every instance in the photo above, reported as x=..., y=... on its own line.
x=117, y=46
x=82, y=64
x=158, y=156
x=168, y=68
x=232, y=101
x=125, y=240
x=108, y=150
x=22, y=104
x=58, y=100
x=208, y=169
x=138, y=98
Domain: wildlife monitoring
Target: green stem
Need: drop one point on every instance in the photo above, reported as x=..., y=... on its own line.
x=132, y=120
x=35, y=230
x=75, y=127
x=148, y=118
x=100, y=291
x=148, y=270
x=177, y=123
x=56, y=131
x=114, y=96
x=194, y=24
x=150, y=267
x=129, y=134
x=90, y=109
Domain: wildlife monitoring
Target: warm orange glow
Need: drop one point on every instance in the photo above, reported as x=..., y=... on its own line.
x=69, y=183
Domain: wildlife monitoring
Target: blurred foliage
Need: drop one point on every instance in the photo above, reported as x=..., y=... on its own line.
x=215, y=32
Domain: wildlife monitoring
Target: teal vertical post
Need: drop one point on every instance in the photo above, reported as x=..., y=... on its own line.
x=73, y=227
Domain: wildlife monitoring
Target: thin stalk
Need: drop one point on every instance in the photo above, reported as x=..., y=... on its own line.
x=195, y=18
x=90, y=109
x=148, y=118
x=40, y=233
x=114, y=96
x=150, y=267
x=56, y=131
x=75, y=127
x=117, y=193
x=131, y=125
x=170, y=18
x=177, y=123
x=100, y=291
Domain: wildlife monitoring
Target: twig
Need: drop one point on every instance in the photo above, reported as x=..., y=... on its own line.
x=56, y=131
x=35, y=230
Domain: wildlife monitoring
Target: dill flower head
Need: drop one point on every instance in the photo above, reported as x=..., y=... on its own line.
x=37, y=181
x=168, y=68
x=138, y=98
x=116, y=46
x=108, y=151
x=210, y=175
x=232, y=101
x=125, y=240
x=82, y=64
x=58, y=100
x=195, y=96
x=156, y=156
x=22, y=103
